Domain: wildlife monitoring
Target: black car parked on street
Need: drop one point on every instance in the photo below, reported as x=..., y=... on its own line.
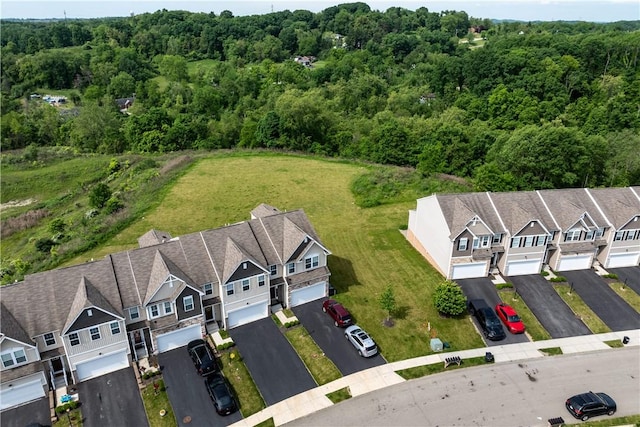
x=489, y=322
x=586, y=405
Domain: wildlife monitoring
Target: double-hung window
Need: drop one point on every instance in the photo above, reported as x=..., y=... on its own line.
x=207, y=289
x=619, y=235
x=74, y=339
x=631, y=234
x=476, y=243
x=291, y=267
x=49, y=339
x=134, y=313
x=462, y=244
x=497, y=238
x=245, y=285
x=273, y=269
x=115, y=328
x=515, y=242
x=541, y=241
x=573, y=235
x=230, y=288
x=311, y=262
x=589, y=235
x=188, y=303
x=13, y=357
x=528, y=241
x=154, y=311
x=261, y=280
x=95, y=334
x=168, y=308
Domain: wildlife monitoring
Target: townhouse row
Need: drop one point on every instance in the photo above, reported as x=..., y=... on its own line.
x=67, y=325
x=515, y=233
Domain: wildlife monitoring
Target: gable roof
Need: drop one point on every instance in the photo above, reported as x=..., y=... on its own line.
x=153, y=237
x=11, y=328
x=519, y=208
x=87, y=296
x=619, y=205
x=568, y=206
x=263, y=210
x=459, y=209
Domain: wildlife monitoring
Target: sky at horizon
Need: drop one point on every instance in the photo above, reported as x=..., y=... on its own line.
x=524, y=10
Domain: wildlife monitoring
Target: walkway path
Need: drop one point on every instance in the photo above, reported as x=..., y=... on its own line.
x=382, y=376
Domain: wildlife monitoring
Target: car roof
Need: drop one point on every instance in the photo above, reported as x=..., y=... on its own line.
x=507, y=308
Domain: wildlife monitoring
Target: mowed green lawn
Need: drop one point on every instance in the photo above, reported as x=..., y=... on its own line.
x=368, y=250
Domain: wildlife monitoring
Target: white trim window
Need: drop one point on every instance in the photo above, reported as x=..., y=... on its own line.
x=207, y=288
x=230, y=290
x=168, y=307
x=528, y=241
x=541, y=241
x=631, y=234
x=619, y=235
x=153, y=311
x=484, y=241
x=291, y=267
x=134, y=312
x=74, y=339
x=261, y=280
x=49, y=339
x=246, y=285
x=476, y=243
x=273, y=269
x=497, y=238
x=95, y=334
x=115, y=328
x=590, y=234
x=12, y=357
x=573, y=235
x=187, y=302
x=599, y=232
x=515, y=242
x=462, y=244
x=311, y=262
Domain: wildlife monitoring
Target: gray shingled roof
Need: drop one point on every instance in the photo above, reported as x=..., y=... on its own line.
x=87, y=296
x=459, y=209
x=263, y=210
x=153, y=237
x=11, y=328
x=619, y=205
x=519, y=208
x=568, y=205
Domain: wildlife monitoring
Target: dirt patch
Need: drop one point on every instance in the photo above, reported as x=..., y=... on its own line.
x=16, y=203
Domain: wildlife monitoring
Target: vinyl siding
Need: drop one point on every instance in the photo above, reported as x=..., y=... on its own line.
x=106, y=340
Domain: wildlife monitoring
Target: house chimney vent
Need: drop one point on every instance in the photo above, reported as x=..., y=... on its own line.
x=89, y=313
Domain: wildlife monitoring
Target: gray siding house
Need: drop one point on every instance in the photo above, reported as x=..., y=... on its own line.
x=476, y=234
x=71, y=324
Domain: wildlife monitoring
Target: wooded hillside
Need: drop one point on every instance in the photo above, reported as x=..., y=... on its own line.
x=506, y=105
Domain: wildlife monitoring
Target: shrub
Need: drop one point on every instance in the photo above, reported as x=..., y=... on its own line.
x=449, y=299
x=292, y=323
x=544, y=273
x=44, y=245
x=113, y=205
x=504, y=286
x=226, y=345
x=69, y=405
x=558, y=279
x=611, y=276
x=99, y=196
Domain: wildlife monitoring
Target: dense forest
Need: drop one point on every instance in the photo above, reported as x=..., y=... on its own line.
x=506, y=105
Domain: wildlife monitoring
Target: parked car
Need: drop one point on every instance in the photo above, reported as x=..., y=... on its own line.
x=341, y=317
x=202, y=357
x=361, y=341
x=510, y=318
x=586, y=405
x=219, y=391
x=489, y=322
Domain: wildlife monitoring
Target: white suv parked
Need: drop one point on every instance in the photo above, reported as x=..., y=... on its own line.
x=361, y=341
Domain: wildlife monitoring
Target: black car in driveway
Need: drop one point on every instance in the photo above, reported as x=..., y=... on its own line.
x=219, y=391
x=202, y=357
x=489, y=322
x=586, y=405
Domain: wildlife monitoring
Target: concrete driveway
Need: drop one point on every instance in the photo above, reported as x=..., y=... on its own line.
x=483, y=288
x=189, y=398
x=32, y=412
x=551, y=311
x=605, y=303
x=112, y=400
x=331, y=339
x=274, y=365
x=628, y=275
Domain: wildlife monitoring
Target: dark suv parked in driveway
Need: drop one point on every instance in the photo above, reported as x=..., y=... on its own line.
x=202, y=357
x=489, y=322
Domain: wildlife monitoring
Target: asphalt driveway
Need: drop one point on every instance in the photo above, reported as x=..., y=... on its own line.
x=483, y=288
x=189, y=398
x=332, y=341
x=32, y=412
x=112, y=400
x=628, y=275
x=605, y=303
x=551, y=311
x=273, y=364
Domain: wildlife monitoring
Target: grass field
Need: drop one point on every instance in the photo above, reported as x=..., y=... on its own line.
x=368, y=250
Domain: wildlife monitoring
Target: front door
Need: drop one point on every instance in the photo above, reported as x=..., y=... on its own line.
x=56, y=366
x=208, y=313
x=274, y=295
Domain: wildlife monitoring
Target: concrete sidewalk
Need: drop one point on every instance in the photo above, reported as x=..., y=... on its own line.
x=382, y=376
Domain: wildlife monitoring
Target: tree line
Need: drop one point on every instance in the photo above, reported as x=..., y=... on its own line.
x=507, y=105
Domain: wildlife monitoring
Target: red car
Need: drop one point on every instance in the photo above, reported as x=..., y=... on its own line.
x=510, y=318
x=338, y=313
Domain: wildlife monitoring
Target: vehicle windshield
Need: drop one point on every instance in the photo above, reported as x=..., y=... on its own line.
x=514, y=318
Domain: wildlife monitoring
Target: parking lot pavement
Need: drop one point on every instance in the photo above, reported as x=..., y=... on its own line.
x=551, y=311
x=332, y=341
x=483, y=288
x=30, y=413
x=605, y=303
x=189, y=398
x=273, y=364
x=112, y=400
x=628, y=275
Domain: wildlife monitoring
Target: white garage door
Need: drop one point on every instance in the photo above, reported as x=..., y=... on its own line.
x=623, y=260
x=518, y=268
x=178, y=338
x=310, y=293
x=580, y=262
x=21, y=391
x=468, y=271
x=102, y=365
x=247, y=314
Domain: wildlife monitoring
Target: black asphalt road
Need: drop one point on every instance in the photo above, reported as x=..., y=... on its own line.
x=331, y=339
x=551, y=311
x=628, y=275
x=273, y=364
x=189, y=398
x=483, y=288
x=21, y=416
x=112, y=400
x=605, y=303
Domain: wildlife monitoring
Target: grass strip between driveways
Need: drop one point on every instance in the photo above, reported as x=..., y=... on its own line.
x=155, y=403
x=581, y=309
x=627, y=294
x=249, y=398
x=339, y=395
x=434, y=368
x=535, y=330
x=320, y=366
